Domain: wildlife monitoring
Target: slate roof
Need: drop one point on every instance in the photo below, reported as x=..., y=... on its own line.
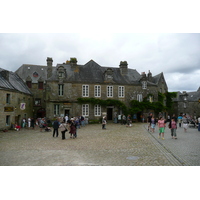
x=14, y=82
x=28, y=70
x=191, y=96
x=91, y=72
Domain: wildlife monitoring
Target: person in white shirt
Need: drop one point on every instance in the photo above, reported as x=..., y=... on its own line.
x=198, y=123
x=66, y=118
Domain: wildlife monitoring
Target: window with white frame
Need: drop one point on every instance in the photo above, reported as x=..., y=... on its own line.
x=60, y=90
x=56, y=109
x=97, y=91
x=139, y=97
x=144, y=85
x=85, y=109
x=121, y=91
x=85, y=90
x=109, y=91
x=97, y=110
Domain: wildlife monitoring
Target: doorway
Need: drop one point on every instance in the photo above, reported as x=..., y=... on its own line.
x=67, y=112
x=109, y=113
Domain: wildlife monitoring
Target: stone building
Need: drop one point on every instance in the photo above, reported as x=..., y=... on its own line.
x=187, y=103
x=16, y=100
x=57, y=88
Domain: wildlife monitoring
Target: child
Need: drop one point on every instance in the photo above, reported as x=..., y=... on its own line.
x=161, y=126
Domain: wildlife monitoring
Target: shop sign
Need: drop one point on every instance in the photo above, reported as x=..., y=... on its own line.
x=8, y=109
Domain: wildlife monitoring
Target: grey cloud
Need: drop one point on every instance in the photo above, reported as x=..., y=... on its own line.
x=168, y=53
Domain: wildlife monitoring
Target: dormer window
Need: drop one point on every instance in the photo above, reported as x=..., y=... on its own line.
x=61, y=72
x=108, y=74
x=61, y=75
x=144, y=85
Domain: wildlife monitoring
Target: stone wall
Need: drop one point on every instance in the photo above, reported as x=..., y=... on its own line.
x=11, y=112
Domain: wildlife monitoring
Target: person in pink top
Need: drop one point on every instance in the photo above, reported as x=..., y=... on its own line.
x=173, y=126
x=161, y=126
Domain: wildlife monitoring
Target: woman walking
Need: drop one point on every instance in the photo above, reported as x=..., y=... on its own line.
x=153, y=124
x=161, y=126
x=63, y=129
x=173, y=127
x=72, y=129
x=185, y=123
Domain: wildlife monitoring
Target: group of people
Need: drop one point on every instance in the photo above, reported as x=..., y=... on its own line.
x=125, y=120
x=172, y=124
x=31, y=123
x=65, y=124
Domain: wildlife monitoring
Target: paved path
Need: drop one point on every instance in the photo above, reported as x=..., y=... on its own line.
x=115, y=146
x=186, y=148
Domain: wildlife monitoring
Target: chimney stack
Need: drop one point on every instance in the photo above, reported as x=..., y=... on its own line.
x=5, y=74
x=49, y=62
x=123, y=67
x=49, y=67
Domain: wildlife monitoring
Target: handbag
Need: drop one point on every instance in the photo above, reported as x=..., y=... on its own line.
x=65, y=129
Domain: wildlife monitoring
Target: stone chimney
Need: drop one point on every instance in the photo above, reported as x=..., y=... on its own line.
x=143, y=74
x=5, y=74
x=49, y=62
x=49, y=67
x=149, y=76
x=123, y=67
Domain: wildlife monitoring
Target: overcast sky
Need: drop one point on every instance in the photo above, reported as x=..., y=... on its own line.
x=176, y=55
x=147, y=38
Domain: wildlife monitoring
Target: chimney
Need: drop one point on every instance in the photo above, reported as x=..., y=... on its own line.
x=49, y=62
x=150, y=76
x=5, y=74
x=143, y=74
x=49, y=66
x=123, y=67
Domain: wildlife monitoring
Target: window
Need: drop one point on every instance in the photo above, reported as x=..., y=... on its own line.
x=61, y=75
x=8, y=98
x=29, y=84
x=121, y=91
x=56, y=109
x=109, y=91
x=97, y=91
x=144, y=85
x=184, y=105
x=85, y=90
x=8, y=120
x=37, y=102
x=139, y=97
x=85, y=110
x=40, y=85
x=97, y=110
x=60, y=90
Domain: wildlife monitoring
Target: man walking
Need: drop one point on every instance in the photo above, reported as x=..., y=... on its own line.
x=56, y=125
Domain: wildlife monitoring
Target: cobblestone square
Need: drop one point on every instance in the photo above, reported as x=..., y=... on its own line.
x=118, y=145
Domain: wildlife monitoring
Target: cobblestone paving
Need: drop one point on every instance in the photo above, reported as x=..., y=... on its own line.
x=115, y=146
